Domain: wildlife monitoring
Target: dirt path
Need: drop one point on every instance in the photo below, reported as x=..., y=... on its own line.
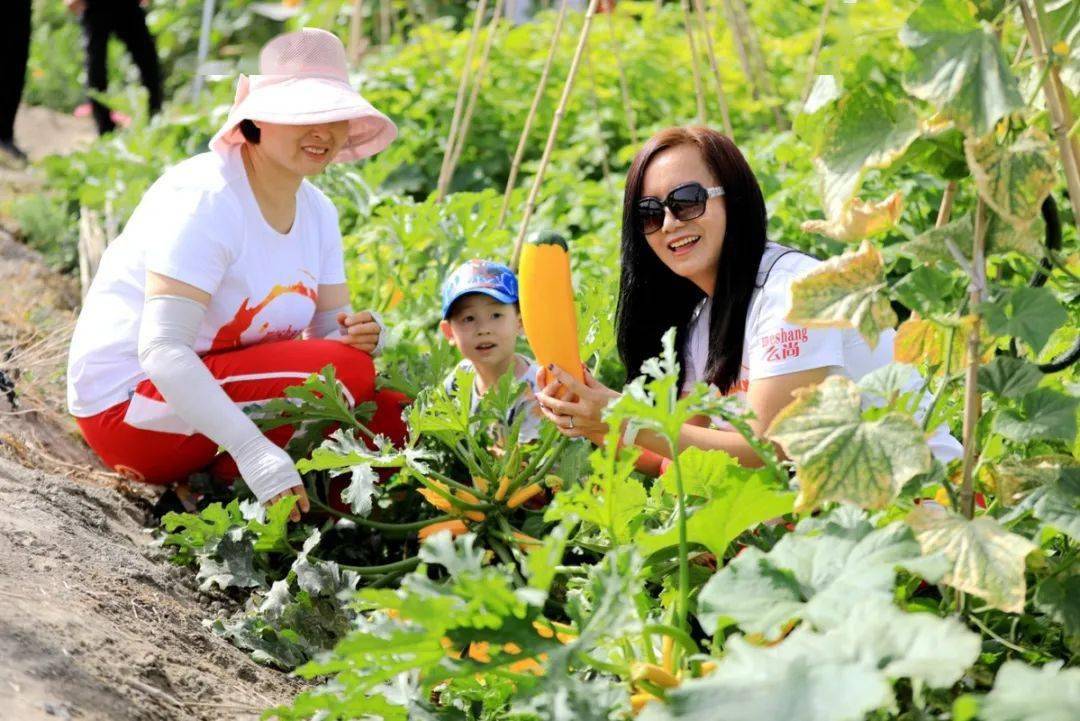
x=94, y=623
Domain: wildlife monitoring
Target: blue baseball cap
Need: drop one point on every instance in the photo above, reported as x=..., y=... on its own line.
x=479, y=276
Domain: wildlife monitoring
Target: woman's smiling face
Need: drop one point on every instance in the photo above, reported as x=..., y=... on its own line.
x=690, y=248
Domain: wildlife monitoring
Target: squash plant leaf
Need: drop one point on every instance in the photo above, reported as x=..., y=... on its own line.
x=737, y=499
x=232, y=564
x=1012, y=479
x=1044, y=413
x=1058, y=502
x=869, y=647
x=1059, y=598
x=611, y=498
x=865, y=129
x=984, y=559
x=1009, y=377
x=958, y=65
x=1030, y=314
x=841, y=457
x=816, y=574
x=859, y=219
x=848, y=291
x=1013, y=179
x=1023, y=693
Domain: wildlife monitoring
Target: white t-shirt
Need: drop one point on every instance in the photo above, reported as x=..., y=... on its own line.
x=200, y=224
x=525, y=404
x=772, y=346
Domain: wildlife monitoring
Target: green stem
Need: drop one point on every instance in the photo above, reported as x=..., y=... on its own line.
x=678, y=635
x=390, y=529
x=684, y=556
x=407, y=564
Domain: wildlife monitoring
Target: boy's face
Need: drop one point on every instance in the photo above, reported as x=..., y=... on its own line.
x=483, y=329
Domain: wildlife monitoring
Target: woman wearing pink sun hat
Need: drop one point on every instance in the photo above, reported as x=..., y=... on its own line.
x=228, y=285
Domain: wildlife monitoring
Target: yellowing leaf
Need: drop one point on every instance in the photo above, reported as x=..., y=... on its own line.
x=985, y=560
x=844, y=292
x=1013, y=478
x=859, y=218
x=922, y=340
x=1013, y=179
x=841, y=457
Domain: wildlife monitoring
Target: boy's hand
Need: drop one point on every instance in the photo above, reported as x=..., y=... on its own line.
x=362, y=330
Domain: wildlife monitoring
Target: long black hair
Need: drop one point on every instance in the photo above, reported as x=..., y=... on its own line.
x=652, y=298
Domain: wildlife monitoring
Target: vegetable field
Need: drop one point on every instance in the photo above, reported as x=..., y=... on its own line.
x=929, y=150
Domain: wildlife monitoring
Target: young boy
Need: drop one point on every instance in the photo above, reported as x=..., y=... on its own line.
x=481, y=319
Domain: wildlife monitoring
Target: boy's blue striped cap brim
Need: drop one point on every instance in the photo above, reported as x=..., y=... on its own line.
x=479, y=276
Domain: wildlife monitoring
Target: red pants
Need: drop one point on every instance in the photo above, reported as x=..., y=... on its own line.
x=142, y=440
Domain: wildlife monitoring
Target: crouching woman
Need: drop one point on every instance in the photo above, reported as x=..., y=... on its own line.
x=228, y=285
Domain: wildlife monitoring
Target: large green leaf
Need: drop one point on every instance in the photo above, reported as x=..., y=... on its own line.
x=958, y=65
x=1030, y=314
x=816, y=573
x=872, y=644
x=1058, y=502
x=1023, y=693
x=1045, y=413
x=796, y=688
x=840, y=456
x=1001, y=237
x=1013, y=179
x=1059, y=598
x=231, y=564
x=738, y=499
x=845, y=292
x=865, y=130
x=928, y=290
x=1009, y=377
x=611, y=498
x=985, y=560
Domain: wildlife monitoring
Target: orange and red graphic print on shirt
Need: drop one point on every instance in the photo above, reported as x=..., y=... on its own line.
x=229, y=335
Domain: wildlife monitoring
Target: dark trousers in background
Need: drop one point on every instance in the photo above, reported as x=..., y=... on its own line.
x=126, y=20
x=14, y=50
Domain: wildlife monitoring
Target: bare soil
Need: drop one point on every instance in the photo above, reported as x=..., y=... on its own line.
x=94, y=621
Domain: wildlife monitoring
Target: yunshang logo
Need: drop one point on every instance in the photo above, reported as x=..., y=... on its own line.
x=783, y=345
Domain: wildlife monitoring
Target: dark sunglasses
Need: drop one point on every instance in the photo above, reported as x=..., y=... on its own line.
x=687, y=202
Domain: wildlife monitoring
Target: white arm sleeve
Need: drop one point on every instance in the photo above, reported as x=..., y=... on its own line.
x=324, y=325
x=167, y=335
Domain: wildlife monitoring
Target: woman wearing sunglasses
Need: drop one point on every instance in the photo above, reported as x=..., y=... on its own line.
x=695, y=256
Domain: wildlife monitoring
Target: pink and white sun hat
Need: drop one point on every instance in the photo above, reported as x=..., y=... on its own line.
x=304, y=80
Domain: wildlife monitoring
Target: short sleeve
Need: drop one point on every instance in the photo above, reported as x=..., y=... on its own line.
x=331, y=253
x=191, y=235
x=777, y=347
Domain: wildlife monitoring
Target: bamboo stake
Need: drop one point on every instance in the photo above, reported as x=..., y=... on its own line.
x=385, y=29
x=357, y=42
x=628, y=108
x=1060, y=115
x=972, y=397
x=721, y=98
x=530, y=204
x=474, y=95
x=819, y=41
x=605, y=166
x=537, y=96
x=699, y=90
x=945, y=211
x=757, y=59
x=459, y=102
x=740, y=48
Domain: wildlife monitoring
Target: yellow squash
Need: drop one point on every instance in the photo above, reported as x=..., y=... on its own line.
x=547, y=303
